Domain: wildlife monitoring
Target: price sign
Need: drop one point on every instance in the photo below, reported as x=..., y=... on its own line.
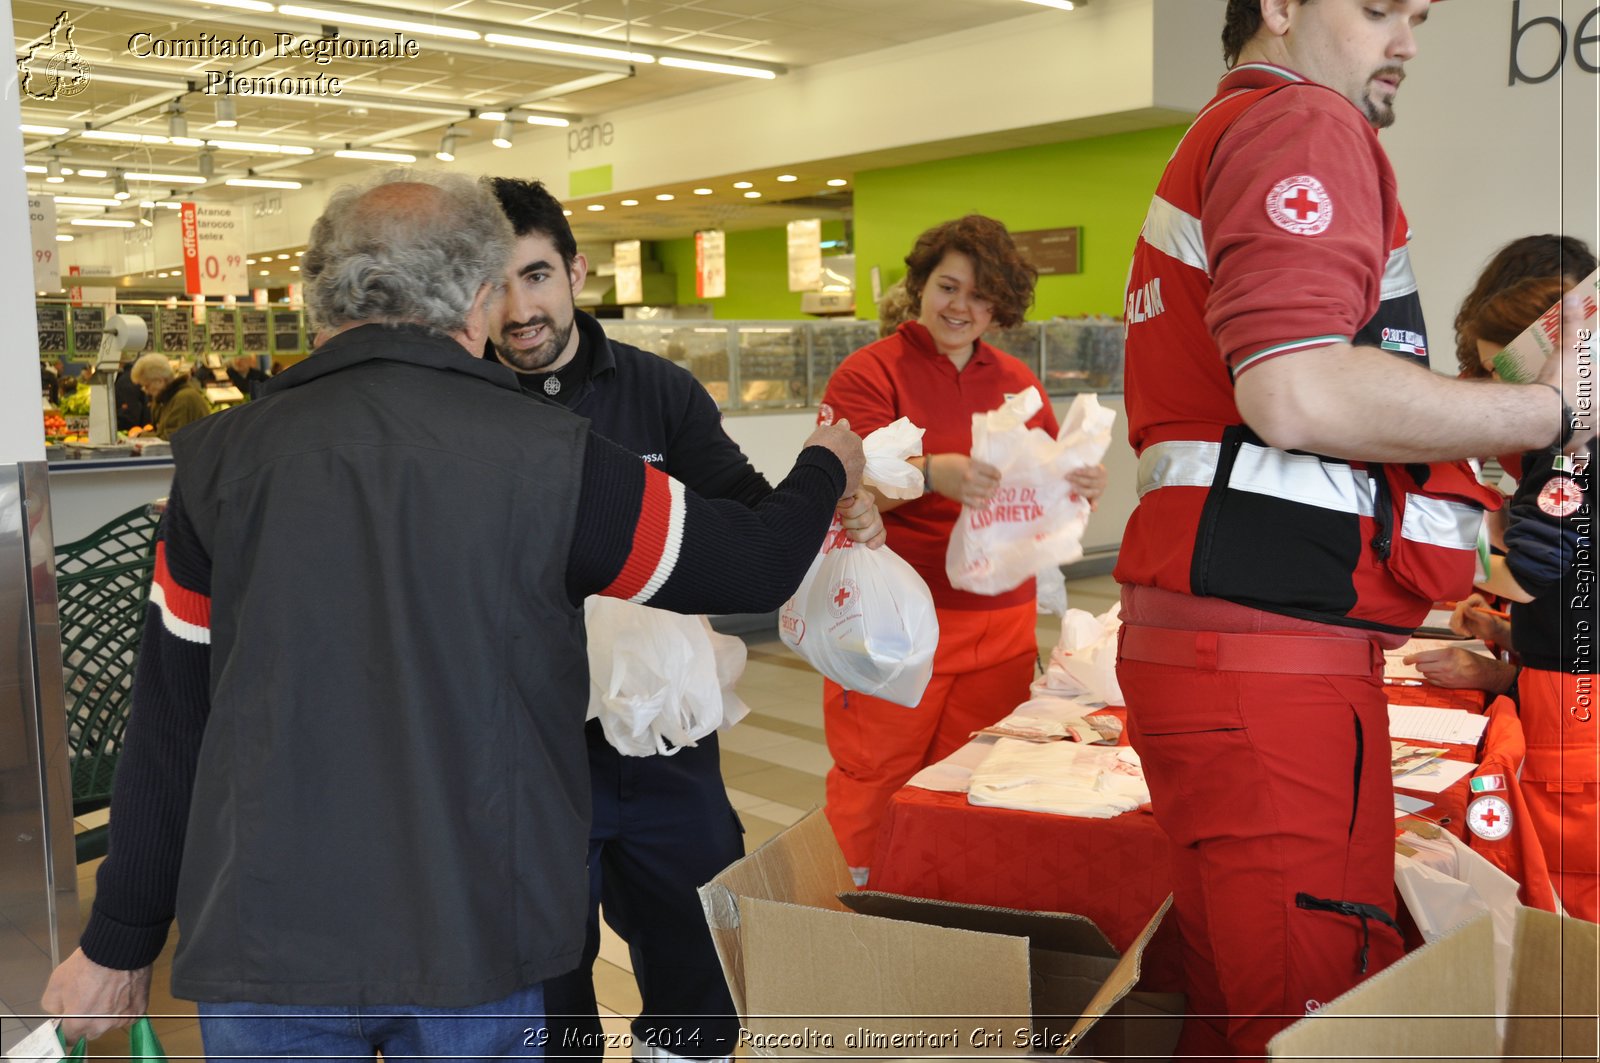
x=213, y=249
x=46, y=259
x=805, y=255
x=630, y=271
x=710, y=264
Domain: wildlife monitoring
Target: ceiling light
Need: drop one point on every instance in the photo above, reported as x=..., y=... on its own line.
x=124, y=138
x=493, y=116
x=265, y=273
x=787, y=177
x=299, y=254
x=165, y=203
x=30, y=168
x=837, y=182
x=177, y=124
x=119, y=186
x=43, y=130
x=597, y=206
x=281, y=257
x=702, y=191
x=173, y=178
x=666, y=197
x=566, y=213
x=208, y=164
x=447, y=146
x=227, y=117
x=294, y=269
x=258, y=146
x=163, y=273
x=502, y=136
x=261, y=182
x=376, y=156
x=717, y=68
x=752, y=195
x=87, y=173
x=630, y=202
x=242, y=5
x=545, y=45
x=548, y=119
x=743, y=184
x=103, y=223
x=89, y=201
x=146, y=222
x=1059, y=5
x=64, y=238
x=322, y=14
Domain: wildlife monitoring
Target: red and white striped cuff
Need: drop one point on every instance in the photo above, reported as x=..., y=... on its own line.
x=184, y=613
x=656, y=540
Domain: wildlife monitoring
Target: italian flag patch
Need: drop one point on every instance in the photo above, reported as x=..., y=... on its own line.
x=1485, y=783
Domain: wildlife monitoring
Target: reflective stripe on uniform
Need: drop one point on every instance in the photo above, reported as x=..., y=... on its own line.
x=1176, y=233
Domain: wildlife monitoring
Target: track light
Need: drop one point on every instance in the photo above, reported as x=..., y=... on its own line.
x=447, y=146
x=177, y=124
x=227, y=117
x=53, y=172
x=119, y=185
x=208, y=163
x=502, y=136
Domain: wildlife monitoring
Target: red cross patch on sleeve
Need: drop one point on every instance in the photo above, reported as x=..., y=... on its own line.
x=1300, y=205
x=1560, y=497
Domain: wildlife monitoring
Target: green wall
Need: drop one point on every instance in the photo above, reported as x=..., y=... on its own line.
x=1103, y=185
x=758, y=274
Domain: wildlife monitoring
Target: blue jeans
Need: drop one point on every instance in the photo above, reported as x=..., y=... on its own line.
x=513, y=1027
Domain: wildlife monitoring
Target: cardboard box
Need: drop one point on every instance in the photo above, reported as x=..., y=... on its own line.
x=1438, y=1002
x=817, y=968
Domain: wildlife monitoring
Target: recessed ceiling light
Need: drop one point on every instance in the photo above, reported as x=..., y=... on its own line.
x=752, y=195
x=666, y=197
x=249, y=261
x=566, y=213
x=265, y=272
x=282, y=257
x=260, y=182
x=597, y=206
x=294, y=269
x=65, y=238
x=702, y=191
x=718, y=68
x=630, y=202
x=837, y=182
x=787, y=177
x=743, y=184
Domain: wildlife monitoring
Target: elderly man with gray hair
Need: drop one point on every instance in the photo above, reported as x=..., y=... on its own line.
x=371, y=826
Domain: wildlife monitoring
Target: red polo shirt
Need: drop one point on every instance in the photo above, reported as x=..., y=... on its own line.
x=903, y=375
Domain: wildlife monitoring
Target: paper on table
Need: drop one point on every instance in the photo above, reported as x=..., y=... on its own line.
x=1422, y=724
x=1437, y=777
x=1405, y=805
x=1394, y=666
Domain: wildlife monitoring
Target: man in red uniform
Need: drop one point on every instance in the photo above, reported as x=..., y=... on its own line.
x=1299, y=508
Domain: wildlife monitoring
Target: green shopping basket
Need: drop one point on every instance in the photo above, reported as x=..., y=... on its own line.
x=103, y=586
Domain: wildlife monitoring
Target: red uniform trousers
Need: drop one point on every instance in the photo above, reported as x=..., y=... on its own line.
x=1560, y=780
x=1274, y=788
x=981, y=671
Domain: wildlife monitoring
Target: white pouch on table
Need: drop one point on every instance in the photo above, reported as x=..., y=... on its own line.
x=1035, y=518
x=659, y=681
x=861, y=617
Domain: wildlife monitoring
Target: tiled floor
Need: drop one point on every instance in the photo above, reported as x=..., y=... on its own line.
x=773, y=762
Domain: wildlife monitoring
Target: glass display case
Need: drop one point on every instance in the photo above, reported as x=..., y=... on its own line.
x=756, y=365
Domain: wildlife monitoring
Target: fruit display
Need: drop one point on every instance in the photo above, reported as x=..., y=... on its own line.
x=55, y=425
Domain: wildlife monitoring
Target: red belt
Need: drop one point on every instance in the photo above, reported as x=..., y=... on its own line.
x=1228, y=651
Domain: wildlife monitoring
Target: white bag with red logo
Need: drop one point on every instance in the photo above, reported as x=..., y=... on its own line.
x=864, y=618
x=1035, y=519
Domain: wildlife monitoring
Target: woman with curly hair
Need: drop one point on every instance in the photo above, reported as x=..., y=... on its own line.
x=961, y=278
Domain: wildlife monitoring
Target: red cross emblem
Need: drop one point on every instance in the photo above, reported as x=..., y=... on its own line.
x=841, y=596
x=1489, y=818
x=1560, y=497
x=1300, y=205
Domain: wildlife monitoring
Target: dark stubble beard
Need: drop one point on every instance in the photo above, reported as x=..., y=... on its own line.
x=540, y=357
x=1381, y=115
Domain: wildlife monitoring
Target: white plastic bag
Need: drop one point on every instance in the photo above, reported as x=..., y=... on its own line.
x=659, y=681
x=864, y=619
x=1084, y=662
x=1050, y=596
x=887, y=468
x=1035, y=519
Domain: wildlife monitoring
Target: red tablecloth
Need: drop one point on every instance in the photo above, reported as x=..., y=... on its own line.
x=1115, y=871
